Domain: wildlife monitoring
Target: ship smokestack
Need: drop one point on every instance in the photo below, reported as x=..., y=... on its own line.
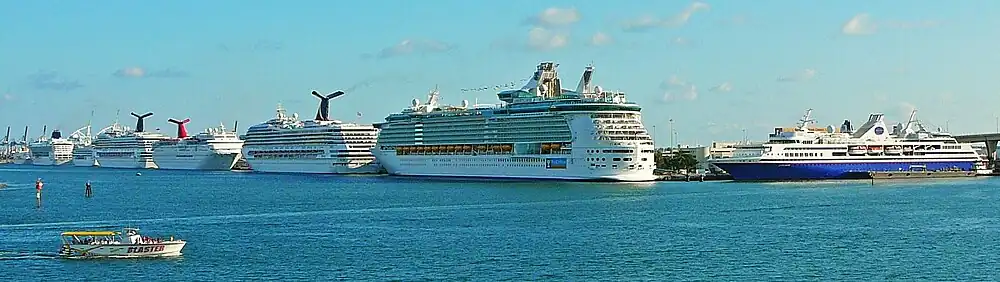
x=25, y=137
x=323, y=113
x=584, y=86
x=140, y=121
x=181, y=127
x=56, y=134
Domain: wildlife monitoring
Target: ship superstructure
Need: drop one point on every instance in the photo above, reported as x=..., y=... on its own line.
x=539, y=131
x=83, y=147
x=19, y=151
x=213, y=149
x=321, y=145
x=806, y=152
x=52, y=150
x=117, y=146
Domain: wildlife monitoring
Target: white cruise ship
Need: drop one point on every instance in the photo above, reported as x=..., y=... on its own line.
x=805, y=152
x=214, y=149
x=540, y=131
x=118, y=147
x=83, y=148
x=321, y=145
x=51, y=151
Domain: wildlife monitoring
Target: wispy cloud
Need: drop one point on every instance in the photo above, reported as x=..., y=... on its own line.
x=676, y=89
x=554, y=17
x=51, y=80
x=864, y=24
x=600, y=39
x=724, y=87
x=542, y=39
x=649, y=22
x=415, y=47
x=803, y=75
x=139, y=72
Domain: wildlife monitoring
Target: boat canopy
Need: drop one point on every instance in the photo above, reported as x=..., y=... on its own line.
x=90, y=233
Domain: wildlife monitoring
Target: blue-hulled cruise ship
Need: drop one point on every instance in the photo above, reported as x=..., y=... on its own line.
x=810, y=153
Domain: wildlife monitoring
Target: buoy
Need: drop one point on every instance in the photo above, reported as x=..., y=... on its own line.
x=138, y=174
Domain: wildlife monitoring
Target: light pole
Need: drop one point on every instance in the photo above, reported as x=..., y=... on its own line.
x=671, y=133
x=654, y=136
x=744, y=136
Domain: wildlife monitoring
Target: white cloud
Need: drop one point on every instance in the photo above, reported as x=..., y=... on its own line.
x=540, y=38
x=414, y=46
x=860, y=24
x=863, y=24
x=138, y=72
x=724, y=87
x=647, y=22
x=680, y=41
x=8, y=97
x=555, y=16
x=131, y=72
x=803, y=75
x=600, y=39
x=676, y=89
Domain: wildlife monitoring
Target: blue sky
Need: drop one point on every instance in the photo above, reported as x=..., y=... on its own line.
x=715, y=67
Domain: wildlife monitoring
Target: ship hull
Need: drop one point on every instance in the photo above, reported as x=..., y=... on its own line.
x=775, y=171
x=208, y=161
x=165, y=249
x=126, y=163
x=507, y=167
x=84, y=162
x=312, y=166
x=50, y=161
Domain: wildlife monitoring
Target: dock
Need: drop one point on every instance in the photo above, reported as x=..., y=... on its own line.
x=693, y=177
x=919, y=174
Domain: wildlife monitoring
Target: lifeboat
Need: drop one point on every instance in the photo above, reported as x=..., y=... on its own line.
x=480, y=148
x=908, y=149
x=545, y=146
x=507, y=147
x=556, y=146
x=467, y=148
x=894, y=150
x=857, y=150
x=874, y=150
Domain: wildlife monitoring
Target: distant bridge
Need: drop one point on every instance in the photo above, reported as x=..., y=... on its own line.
x=989, y=138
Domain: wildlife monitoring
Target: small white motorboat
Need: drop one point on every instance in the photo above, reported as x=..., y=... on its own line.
x=111, y=244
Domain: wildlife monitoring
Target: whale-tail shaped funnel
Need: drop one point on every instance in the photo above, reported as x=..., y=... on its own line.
x=323, y=113
x=182, y=131
x=140, y=121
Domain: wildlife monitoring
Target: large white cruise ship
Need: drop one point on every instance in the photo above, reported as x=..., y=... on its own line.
x=51, y=151
x=540, y=131
x=805, y=152
x=118, y=147
x=287, y=144
x=214, y=149
x=83, y=146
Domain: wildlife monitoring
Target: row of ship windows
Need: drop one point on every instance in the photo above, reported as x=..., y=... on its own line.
x=614, y=166
x=613, y=159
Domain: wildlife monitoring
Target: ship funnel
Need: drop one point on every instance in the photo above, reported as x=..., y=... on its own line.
x=140, y=121
x=56, y=134
x=584, y=86
x=323, y=113
x=181, y=127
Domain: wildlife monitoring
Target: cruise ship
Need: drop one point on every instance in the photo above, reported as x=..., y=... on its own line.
x=287, y=144
x=540, y=131
x=83, y=147
x=805, y=152
x=53, y=150
x=119, y=147
x=214, y=149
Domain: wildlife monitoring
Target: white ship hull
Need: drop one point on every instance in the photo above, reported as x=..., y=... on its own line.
x=206, y=161
x=312, y=166
x=51, y=161
x=165, y=249
x=492, y=166
x=21, y=161
x=126, y=163
x=85, y=162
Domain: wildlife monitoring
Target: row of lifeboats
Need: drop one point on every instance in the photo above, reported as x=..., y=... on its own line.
x=887, y=149
x=543, y=148
x=454, y=149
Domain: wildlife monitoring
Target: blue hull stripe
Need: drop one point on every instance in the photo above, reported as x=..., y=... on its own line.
x=815, y=171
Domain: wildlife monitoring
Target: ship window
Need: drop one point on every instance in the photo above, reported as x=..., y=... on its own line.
x=617, y=159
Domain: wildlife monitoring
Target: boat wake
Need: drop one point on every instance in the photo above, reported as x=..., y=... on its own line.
x=26, y=255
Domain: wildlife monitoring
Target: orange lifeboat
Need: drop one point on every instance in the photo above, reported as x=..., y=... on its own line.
x=507, y=147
